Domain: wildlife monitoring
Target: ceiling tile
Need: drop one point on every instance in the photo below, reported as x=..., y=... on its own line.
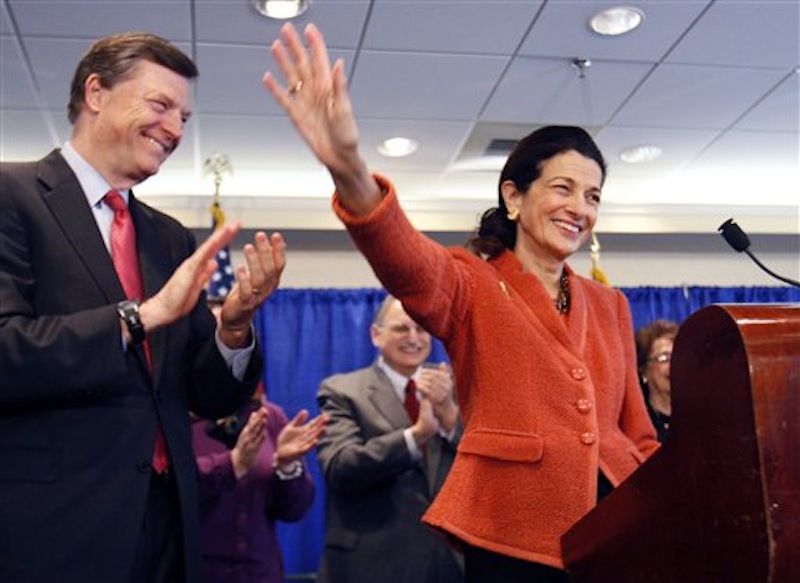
x=21, y=92
x=550, y=90
x=679, y=147
x=423, y=86
x=779, y=111
x=449, y=26
x=230, y=79
x=341, y=21
x=744, y=34
x=89, y=19
x=678, y=96
x=562, y=31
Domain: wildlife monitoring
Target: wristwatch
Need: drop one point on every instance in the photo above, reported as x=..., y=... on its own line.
x=128, y=310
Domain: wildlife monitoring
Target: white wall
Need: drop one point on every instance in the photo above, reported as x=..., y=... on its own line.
x=328, y=259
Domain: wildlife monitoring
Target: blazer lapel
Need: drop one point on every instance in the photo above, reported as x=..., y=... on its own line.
x=382, y=396
x=530, y=295
x=67, y=202
x=154, y=265
x=578, y=312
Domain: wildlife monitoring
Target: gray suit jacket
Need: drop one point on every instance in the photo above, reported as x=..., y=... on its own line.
x=78, y=414
x=376, y=494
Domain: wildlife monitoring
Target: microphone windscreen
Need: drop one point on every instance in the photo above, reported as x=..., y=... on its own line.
x=734, y=235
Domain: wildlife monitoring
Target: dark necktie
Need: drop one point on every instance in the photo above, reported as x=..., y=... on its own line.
x=126, y=263
x=410, y=402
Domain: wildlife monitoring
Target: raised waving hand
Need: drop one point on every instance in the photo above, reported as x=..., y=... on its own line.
x=316, y=98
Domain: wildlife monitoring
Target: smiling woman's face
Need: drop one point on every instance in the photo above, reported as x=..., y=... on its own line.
x=559, y=209
x=657, y=371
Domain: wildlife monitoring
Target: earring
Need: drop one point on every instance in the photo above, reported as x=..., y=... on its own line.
x=513, y=215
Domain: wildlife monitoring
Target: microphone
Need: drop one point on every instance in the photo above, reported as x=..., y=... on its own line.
x=739, y=240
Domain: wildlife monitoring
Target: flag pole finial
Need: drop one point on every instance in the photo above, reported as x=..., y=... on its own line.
x=222, y=280
x=218, y=165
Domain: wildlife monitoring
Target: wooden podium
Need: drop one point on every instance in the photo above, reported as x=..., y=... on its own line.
x=720, y=501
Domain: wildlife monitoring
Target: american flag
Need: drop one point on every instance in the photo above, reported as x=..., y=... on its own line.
x=222, y=281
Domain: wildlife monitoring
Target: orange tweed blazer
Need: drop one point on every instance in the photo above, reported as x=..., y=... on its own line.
x=546, y=399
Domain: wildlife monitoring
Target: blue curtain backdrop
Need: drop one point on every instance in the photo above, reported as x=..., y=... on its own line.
x=308, y=334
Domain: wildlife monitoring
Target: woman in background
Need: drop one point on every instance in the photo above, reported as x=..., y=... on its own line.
x=252, y=474
x=654, y=357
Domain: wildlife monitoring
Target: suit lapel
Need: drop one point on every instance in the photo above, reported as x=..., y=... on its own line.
x=153, y=253
x=67, y=202
x=527, y=291
x=380, y=393
x=578, y=311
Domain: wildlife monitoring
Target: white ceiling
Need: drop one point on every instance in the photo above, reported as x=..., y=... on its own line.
x=715, y=84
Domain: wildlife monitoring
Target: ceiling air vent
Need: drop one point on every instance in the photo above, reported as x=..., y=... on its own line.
x=499, y=147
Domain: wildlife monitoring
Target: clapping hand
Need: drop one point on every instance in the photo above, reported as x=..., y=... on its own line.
x=436, y=385
x=249, y=442
x=298, y=437
x=265, y=260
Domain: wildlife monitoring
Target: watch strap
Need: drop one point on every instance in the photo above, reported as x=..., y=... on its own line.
x=128, y=311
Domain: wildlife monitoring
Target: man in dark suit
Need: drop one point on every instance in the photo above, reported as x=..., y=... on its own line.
x=97, y=476
x=382, y=467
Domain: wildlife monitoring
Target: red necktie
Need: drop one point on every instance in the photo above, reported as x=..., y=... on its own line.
x=126, y=263
x=410, y=402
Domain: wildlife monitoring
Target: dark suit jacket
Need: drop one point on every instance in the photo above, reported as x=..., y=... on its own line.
x=376, y=494
x=78, y=414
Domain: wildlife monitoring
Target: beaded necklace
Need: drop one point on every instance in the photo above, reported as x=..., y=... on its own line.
x=563, y=300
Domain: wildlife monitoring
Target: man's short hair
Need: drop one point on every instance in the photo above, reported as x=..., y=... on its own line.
x=114, y=57
x=377, y=320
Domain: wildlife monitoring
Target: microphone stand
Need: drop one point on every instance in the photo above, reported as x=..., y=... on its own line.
x=737, y=238
x=768, y=270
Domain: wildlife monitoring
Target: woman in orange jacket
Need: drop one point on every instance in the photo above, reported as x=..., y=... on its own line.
x=544, y=359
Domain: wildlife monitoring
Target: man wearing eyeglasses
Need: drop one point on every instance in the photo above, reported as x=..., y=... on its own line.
x=387, y=449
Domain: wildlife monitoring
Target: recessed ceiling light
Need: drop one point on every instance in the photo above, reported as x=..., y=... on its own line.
x=616, y=21
x=398, y=147
x=281, y=9
x=640, y=154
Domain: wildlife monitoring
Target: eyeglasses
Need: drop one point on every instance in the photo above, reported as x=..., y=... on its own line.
x=661, y=357
x=405, y=329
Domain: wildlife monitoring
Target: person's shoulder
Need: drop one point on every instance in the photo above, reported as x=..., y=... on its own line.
x=604, y=299
x=596, y=288
x=51, y=168
x=352, y=380
x=17, y=167
x=170, y=229
x=276, y=417
x=160, y=216
x=467, y=256
x=274, y=409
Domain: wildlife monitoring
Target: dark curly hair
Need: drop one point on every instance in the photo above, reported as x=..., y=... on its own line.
x=496, y=231
x=113, y=57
